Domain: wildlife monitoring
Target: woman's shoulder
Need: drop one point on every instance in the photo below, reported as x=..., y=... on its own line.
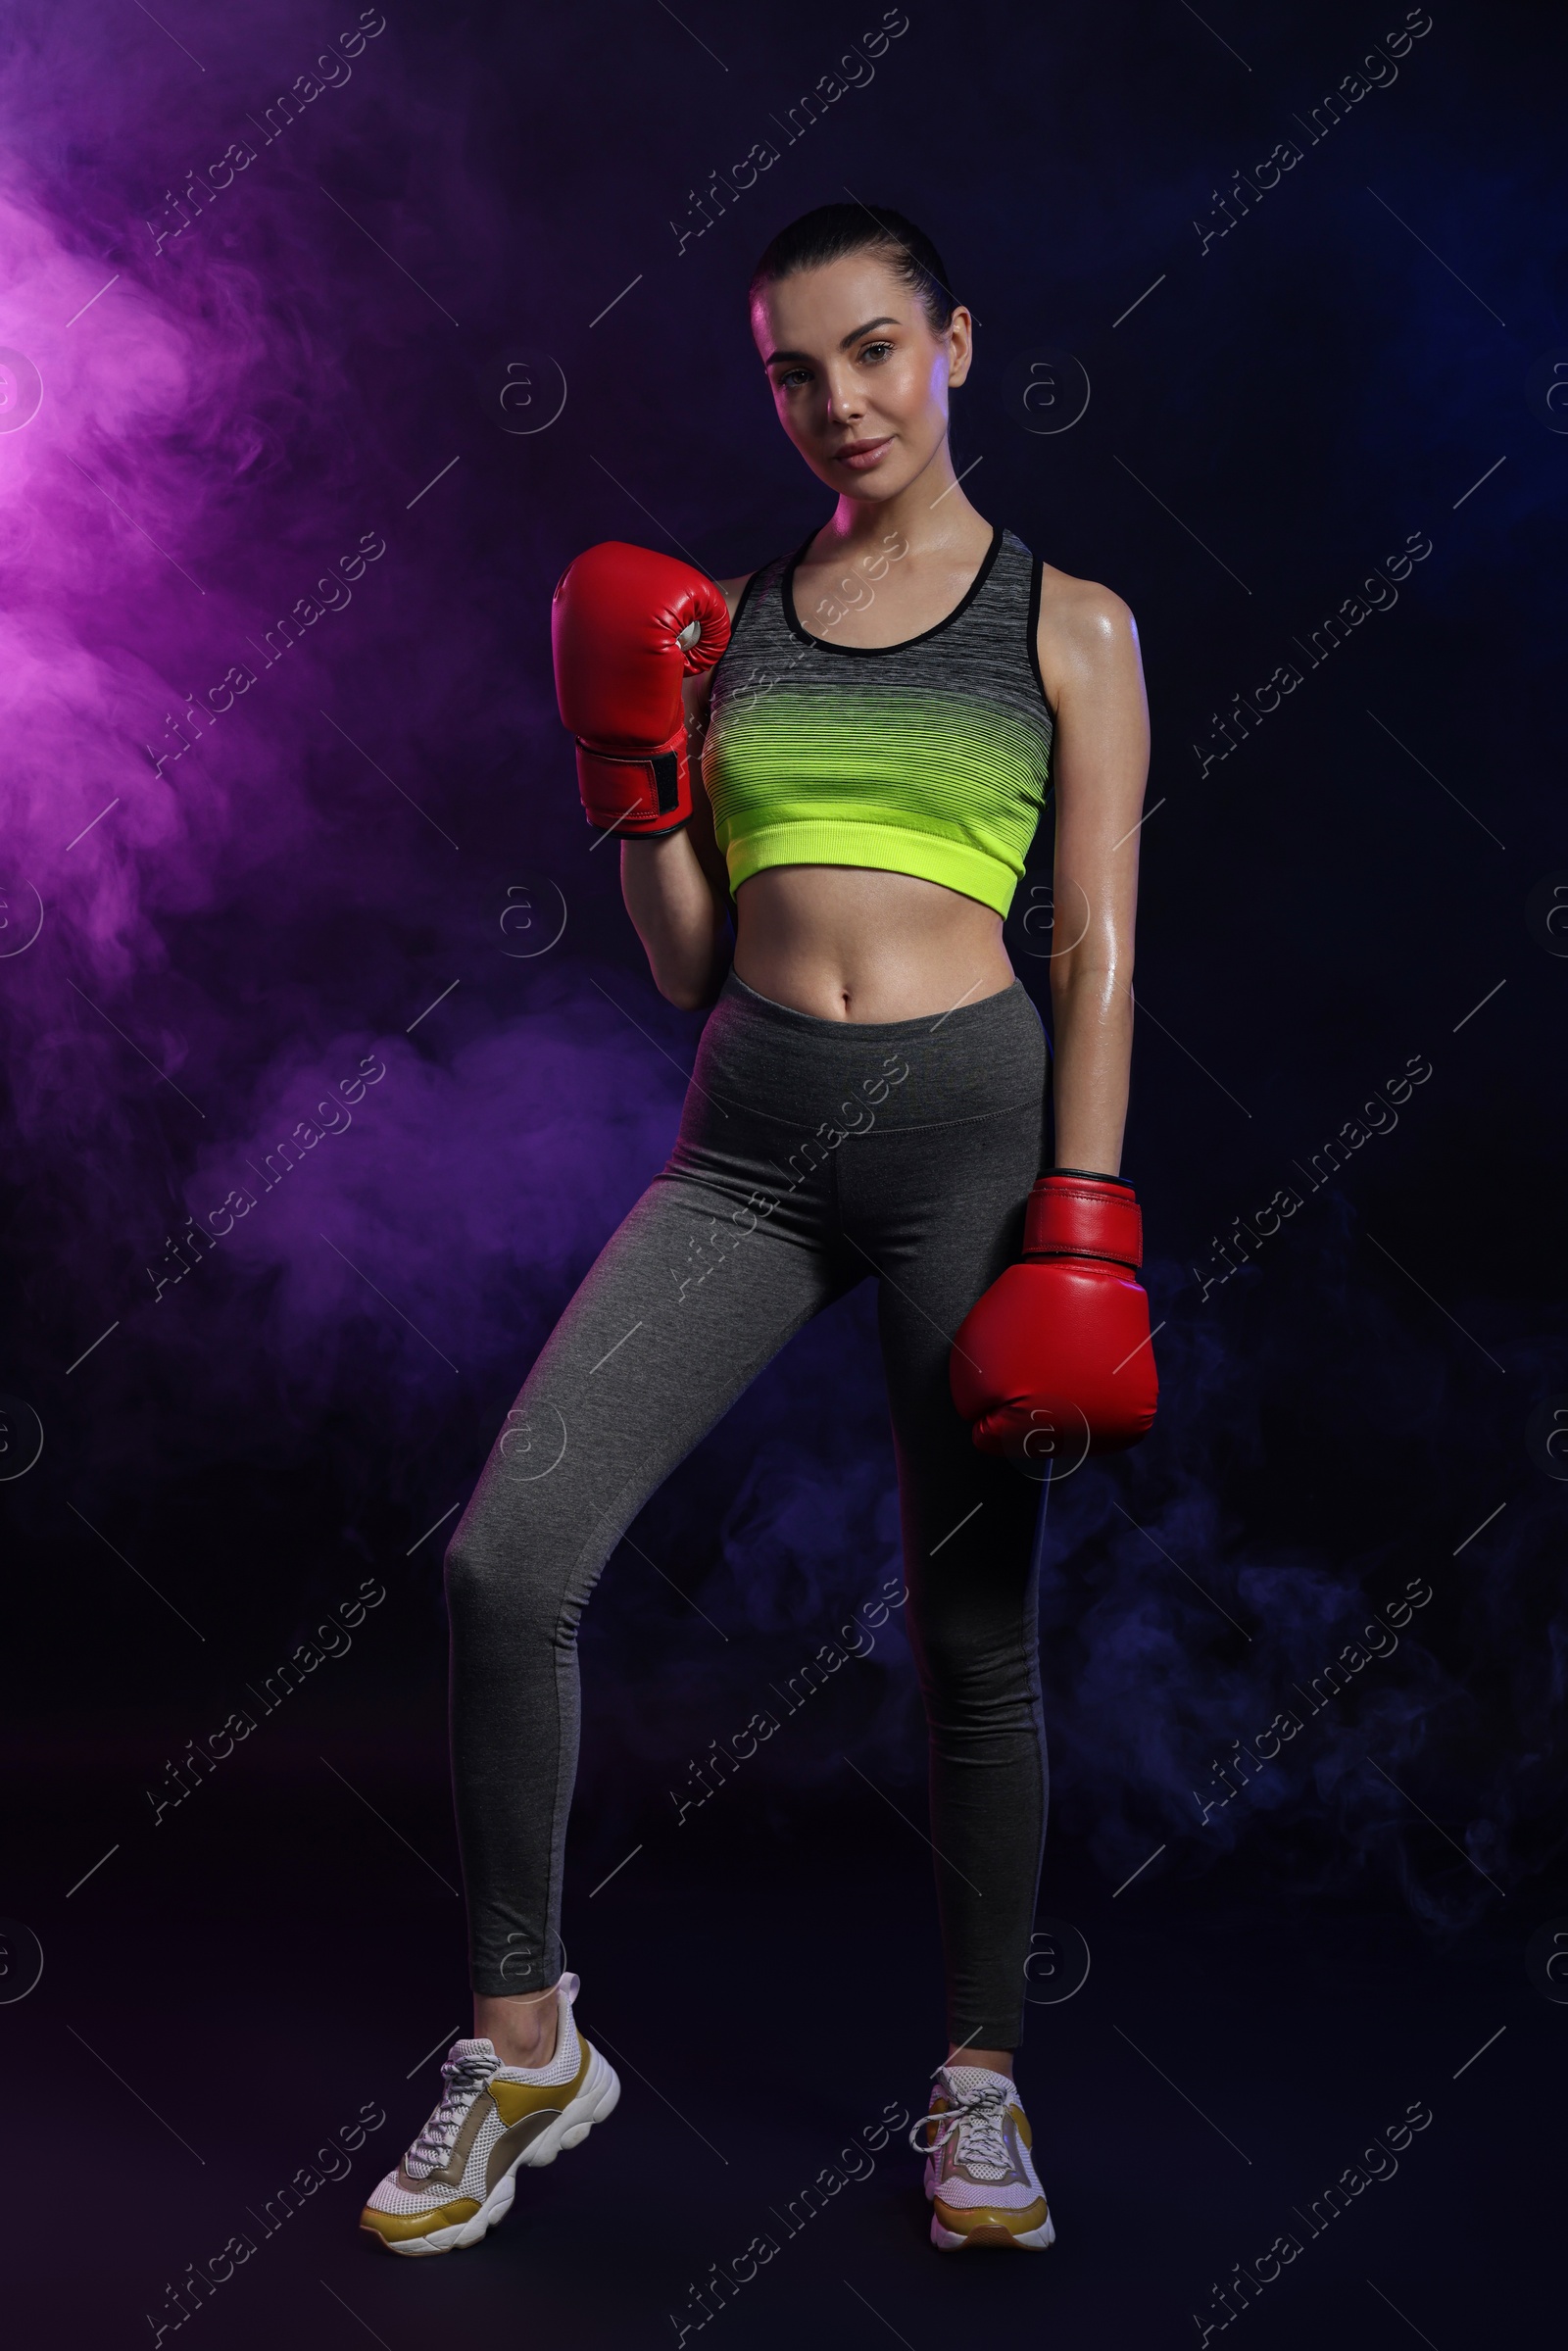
x=735, y=592
x=1080, y=605
x=732, y=590
x=1086, y=638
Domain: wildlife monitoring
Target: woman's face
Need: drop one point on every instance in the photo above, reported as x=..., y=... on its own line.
x=860, y=379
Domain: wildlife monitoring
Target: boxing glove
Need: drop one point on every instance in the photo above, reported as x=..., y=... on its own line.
x=626, y=626
x=1055, y=1361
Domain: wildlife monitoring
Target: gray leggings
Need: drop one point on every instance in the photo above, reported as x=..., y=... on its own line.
x=813, y=1154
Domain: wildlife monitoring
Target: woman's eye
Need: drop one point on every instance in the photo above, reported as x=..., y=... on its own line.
x=793, y=378
x=876, y=351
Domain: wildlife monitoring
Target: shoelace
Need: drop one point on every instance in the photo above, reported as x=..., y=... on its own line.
x=458, y=2084
x=979, y=2119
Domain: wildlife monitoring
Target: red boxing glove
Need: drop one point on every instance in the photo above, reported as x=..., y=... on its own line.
x=628, y=625
x=1055, y=1362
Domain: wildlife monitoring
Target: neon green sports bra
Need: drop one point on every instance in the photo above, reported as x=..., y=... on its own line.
x=930, y=758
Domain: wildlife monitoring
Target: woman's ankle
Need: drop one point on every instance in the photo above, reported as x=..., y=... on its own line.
x=994, y=2061
x=523, y=2029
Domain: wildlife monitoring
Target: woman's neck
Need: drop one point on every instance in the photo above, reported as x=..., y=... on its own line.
x=930, y=514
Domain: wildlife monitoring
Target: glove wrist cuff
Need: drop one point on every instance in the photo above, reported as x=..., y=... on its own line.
x=1078, y=1215
x=649, y=793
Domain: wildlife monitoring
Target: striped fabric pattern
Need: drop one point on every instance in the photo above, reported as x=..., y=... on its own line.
x=930, y=758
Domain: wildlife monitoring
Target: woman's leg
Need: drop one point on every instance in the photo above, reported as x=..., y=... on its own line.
x=689, y=1299
x=940, y=1208
x=968, y=1523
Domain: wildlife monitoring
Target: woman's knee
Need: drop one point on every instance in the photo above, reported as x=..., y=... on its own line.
x=528, y=1570
x=468, y=1575
x=978, y=1674
x=488, y=1581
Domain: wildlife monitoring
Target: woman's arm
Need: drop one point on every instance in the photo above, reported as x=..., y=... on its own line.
x=1089, y=659
x=675, y=886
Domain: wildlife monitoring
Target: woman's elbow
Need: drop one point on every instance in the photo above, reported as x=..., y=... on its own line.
x=691, y=989
x=683, y=992
x=1102, y=977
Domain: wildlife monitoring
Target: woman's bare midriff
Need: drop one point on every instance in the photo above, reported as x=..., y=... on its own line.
x=845, y=942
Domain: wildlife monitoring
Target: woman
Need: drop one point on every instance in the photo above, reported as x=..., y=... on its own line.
x=868, y=1098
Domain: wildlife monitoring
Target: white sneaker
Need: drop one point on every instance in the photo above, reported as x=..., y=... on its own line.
x=458, y=2178
x=979, y=2172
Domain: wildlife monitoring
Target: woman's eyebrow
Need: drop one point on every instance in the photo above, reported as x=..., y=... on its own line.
x=845, y=341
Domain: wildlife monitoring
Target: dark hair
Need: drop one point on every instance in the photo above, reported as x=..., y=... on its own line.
x=835, y=231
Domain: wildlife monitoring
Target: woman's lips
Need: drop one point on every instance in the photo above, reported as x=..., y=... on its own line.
x=862, y=455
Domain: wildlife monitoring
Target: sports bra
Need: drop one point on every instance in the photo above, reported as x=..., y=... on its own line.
x=931, y=757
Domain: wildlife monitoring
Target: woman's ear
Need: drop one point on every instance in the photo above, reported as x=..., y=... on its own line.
x=960, y=345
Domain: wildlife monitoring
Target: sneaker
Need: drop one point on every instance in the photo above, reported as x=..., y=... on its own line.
x=979, y=2173
x=457, y=2180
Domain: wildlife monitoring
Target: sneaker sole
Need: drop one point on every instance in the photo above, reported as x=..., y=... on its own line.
x=1027, y=2240
x=595, y=2102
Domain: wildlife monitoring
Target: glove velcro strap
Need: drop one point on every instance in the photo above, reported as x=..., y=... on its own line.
x=647, y=794
x=1075, y=1216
